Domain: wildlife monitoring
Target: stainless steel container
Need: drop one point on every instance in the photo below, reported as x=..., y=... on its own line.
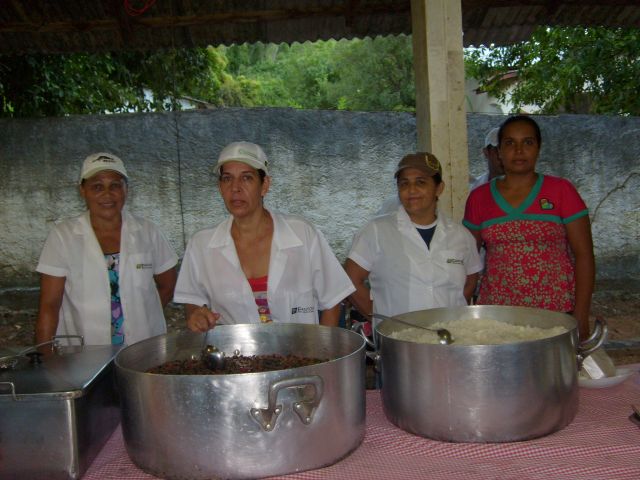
x=56, y=416
x=243, y=425
x=481, y=393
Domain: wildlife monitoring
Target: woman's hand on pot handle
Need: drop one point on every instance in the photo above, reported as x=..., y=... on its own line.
x=200, y=319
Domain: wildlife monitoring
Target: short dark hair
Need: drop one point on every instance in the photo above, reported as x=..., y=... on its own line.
x=520, y=118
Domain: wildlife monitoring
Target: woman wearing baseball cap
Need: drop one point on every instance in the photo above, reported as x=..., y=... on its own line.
x=413, y=258
x=106, y=274
x=258, y=265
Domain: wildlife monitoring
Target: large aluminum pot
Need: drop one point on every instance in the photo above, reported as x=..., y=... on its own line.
x=482, y=393
x=243, y=425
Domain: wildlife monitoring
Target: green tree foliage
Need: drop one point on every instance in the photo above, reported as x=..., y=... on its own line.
x=288, y=75
x=52, y=85
x=374, y=75
x=359, y=74
x=572, y=70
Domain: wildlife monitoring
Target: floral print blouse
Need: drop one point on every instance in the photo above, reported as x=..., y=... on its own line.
x=528, y=259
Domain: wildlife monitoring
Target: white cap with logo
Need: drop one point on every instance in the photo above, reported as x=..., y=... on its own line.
x=245, y=152
x=97, y=162
x=492, y=138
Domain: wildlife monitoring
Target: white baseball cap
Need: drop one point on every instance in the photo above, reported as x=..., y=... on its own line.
x=245, y=152
x=492, y=138
x=97, y=162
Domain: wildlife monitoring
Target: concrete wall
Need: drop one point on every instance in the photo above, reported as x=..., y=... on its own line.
x=335, y=168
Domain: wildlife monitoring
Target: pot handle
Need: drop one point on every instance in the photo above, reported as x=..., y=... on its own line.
x=12, y=387
x=10, y=361
x=597, y=330
x=80, y=338
x=373, y=354
x=358, y=327
x=595, y=341
x=304, y=408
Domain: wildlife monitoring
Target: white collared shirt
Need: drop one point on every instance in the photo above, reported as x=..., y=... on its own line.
x=304, y=274
x=72, y=251
x=481, y=180
x=405, y=275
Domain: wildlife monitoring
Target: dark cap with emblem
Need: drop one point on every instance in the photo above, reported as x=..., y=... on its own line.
x=424, y=161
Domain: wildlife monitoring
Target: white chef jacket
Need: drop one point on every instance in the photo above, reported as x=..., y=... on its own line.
x=481, y=180
x=406, y=275
x=72, y=251
x=304, y=274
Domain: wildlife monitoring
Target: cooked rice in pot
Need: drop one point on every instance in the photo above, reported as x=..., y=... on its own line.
x=478, y=332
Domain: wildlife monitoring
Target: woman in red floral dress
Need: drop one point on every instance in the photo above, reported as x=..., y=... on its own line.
x=536, y=232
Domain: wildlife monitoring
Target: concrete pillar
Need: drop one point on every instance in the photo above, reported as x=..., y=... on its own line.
x=440, y=112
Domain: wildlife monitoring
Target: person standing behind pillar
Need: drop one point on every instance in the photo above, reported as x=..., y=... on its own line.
x=494, y=165
x=536, y=232
x=494, y=169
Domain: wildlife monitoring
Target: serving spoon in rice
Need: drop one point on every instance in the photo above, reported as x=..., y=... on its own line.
x=444, y=335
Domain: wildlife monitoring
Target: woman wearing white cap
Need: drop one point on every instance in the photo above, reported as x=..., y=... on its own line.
x=413, y=258
x=106, y=274
x=258, y=265
x=494, y=165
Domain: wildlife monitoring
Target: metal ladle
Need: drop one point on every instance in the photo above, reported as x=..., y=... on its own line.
x=212, y=357
x=444, y=335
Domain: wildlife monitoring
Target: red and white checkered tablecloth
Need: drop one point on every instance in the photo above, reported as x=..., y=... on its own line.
x=601, y=443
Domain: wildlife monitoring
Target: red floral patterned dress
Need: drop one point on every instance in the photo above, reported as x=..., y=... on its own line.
x=528, y=259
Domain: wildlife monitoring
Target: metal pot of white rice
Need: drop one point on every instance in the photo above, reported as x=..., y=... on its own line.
x=510, y=373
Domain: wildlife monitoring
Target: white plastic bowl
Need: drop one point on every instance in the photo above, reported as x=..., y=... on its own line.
x=621, y=375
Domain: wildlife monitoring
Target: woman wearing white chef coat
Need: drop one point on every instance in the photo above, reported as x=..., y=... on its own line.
x=258, y=265
x=106, y=274
x=413, y=258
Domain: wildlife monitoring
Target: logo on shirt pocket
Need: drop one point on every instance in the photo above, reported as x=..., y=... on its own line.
x=455, y=261
x=295, y=310
x=545, y=204
x=141, y=266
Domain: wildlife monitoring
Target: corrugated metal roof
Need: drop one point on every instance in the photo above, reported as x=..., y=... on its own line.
x=504, y=23
x=58, y=26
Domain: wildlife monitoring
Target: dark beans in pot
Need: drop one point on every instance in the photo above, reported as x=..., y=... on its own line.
x=235, y=364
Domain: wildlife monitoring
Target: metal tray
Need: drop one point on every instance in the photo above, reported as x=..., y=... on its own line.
x=56, y=416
